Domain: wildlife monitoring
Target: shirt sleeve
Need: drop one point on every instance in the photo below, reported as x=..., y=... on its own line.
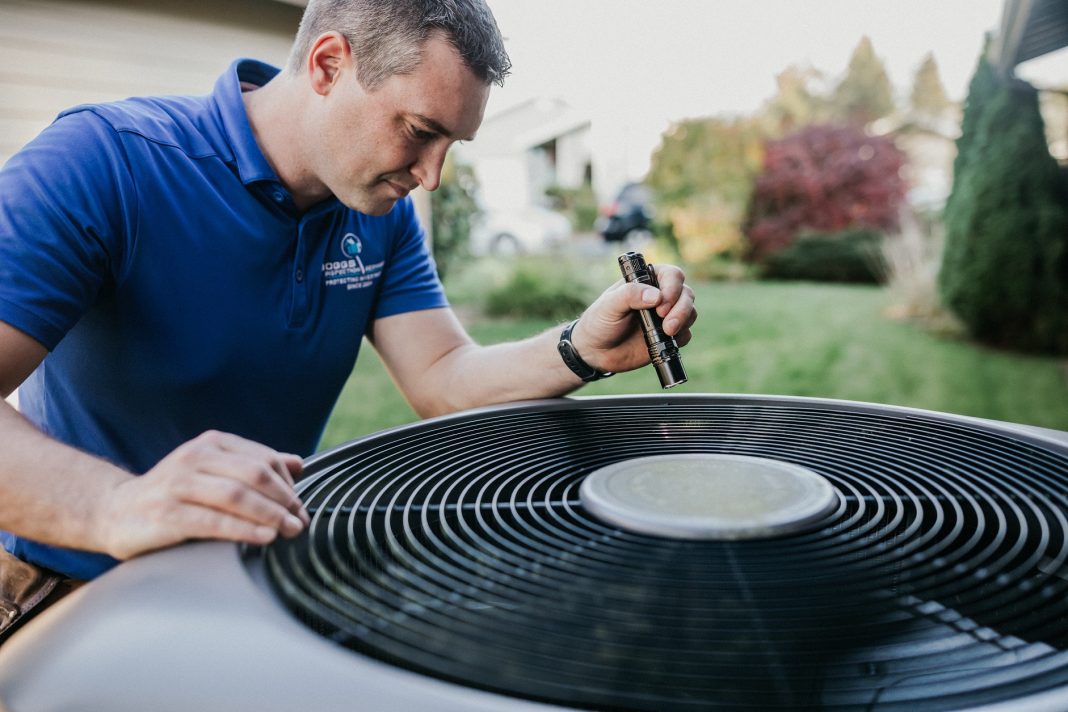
x=67, y=205
x=411, y=279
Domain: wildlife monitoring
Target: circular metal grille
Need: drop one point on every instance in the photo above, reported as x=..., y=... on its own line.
x=459, y=548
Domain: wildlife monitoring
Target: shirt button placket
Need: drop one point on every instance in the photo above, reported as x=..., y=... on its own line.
x=299, y=289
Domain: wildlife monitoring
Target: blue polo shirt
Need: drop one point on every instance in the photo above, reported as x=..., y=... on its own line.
x=151, y=248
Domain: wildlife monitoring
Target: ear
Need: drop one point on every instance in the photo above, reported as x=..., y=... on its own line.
x=330, y=57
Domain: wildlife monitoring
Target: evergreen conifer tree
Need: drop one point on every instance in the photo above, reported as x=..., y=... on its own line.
x=928, y=94
x=981, y=89
x=864, y=94
x=1008, y=281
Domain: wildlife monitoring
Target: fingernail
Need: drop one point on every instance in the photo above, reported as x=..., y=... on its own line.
x=649, y=295
x=293, y=524
x=671, y=326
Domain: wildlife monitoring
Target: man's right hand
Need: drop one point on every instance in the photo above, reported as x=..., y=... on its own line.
x=216, y=486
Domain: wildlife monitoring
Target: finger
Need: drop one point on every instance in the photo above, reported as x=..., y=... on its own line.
x=282, y=463
x=639, y=296
x=254, y=473
x=671, y=280
x=206, y=523
x=680, y=313
x=236, y=499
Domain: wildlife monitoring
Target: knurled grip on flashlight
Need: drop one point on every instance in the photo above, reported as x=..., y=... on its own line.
x=663, y=351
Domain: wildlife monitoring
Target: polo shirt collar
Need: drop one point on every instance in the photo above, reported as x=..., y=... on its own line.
x=251, y=164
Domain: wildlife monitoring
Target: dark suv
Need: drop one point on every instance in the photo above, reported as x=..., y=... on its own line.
x=629, y=217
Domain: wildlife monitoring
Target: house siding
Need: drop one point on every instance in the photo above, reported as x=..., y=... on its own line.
x=58, y=53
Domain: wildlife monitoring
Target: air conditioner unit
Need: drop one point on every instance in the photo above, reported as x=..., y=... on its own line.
x=665, y=552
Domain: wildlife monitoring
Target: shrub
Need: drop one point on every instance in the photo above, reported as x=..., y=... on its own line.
x=824, y=179
x=578, y=204
x=538, y=294
x=850, y=256
x=911, y=260
x=1006, y=268
x=706, y=229
x=453, y=210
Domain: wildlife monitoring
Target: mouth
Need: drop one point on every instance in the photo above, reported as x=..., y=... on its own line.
x=399, y=190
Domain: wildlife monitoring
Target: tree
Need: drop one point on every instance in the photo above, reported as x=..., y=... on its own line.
x=981, y=90
x=711, y=156
x=797, y=102
x=1008, y=279
x=864, y=94
x=702, y=173
x=824, y=179
x=928, y=94
x=453, y=210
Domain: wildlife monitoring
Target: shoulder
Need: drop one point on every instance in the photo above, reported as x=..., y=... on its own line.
x=185, y=123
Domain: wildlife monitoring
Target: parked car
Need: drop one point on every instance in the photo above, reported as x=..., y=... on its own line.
x=629, y=217
x=519, y=231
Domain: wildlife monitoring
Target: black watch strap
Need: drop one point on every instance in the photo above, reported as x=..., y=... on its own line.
x=579, y=367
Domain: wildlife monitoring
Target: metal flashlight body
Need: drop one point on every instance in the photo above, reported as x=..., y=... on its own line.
x=663, y=351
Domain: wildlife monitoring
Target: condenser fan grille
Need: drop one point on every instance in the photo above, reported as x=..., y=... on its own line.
x=460, y=548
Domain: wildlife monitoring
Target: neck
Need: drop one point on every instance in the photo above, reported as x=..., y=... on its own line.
x=273, y=112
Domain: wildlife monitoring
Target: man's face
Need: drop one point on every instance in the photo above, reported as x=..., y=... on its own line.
x=375, y=146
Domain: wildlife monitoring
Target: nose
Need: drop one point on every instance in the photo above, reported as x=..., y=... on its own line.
x=427, y=167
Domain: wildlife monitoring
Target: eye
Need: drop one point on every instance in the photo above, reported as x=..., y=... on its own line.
x=421, y=135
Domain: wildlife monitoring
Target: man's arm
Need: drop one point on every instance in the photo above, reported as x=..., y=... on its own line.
x=216, y=486
x=439, y=369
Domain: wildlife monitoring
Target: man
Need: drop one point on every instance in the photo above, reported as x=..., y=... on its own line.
x=178, y=266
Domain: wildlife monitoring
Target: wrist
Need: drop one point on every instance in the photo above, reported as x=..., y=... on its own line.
x=573, y=360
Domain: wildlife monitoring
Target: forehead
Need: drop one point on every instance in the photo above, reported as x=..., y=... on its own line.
x=441, y=88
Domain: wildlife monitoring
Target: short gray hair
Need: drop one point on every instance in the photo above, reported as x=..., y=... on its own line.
x=387, y=36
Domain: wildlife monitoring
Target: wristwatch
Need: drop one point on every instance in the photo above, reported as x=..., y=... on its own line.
x=573, y=361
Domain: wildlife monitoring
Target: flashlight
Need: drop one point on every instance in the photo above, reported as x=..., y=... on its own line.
x=663, y=351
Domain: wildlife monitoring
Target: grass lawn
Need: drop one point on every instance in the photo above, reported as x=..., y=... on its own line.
x=788, y=339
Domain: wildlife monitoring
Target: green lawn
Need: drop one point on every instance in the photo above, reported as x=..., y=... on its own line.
x=789, y=339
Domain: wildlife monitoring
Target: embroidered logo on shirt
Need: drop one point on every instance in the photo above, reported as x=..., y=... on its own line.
x=351, y=271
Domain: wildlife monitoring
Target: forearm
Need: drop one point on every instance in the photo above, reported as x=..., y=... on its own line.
x=440, y=369
x=51, y=492
x=470, y=375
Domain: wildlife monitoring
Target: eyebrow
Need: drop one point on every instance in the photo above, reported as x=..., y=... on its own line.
x=436, y=127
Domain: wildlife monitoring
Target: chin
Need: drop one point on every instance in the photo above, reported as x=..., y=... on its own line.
x=368, y=205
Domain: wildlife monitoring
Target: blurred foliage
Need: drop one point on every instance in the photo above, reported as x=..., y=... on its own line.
x=852, y=256
x=911, y=259
x=702, y=174
x=698, y=158
x=706, y=170
x=798, y=101
x=453, y=212
x=864, y=94
x=1005, y=269
x=578, y=204
x=928, y=96
x=981, y=90
x=707, y=229
x=539, y=291
x=824, y=179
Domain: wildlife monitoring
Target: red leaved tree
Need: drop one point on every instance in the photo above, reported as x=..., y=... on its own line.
x=824, y=179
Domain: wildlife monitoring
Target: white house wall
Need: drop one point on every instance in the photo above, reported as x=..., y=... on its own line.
x=572, y=158
x=503, y=181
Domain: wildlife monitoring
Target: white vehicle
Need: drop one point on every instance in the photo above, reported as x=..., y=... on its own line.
x=518, y=231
